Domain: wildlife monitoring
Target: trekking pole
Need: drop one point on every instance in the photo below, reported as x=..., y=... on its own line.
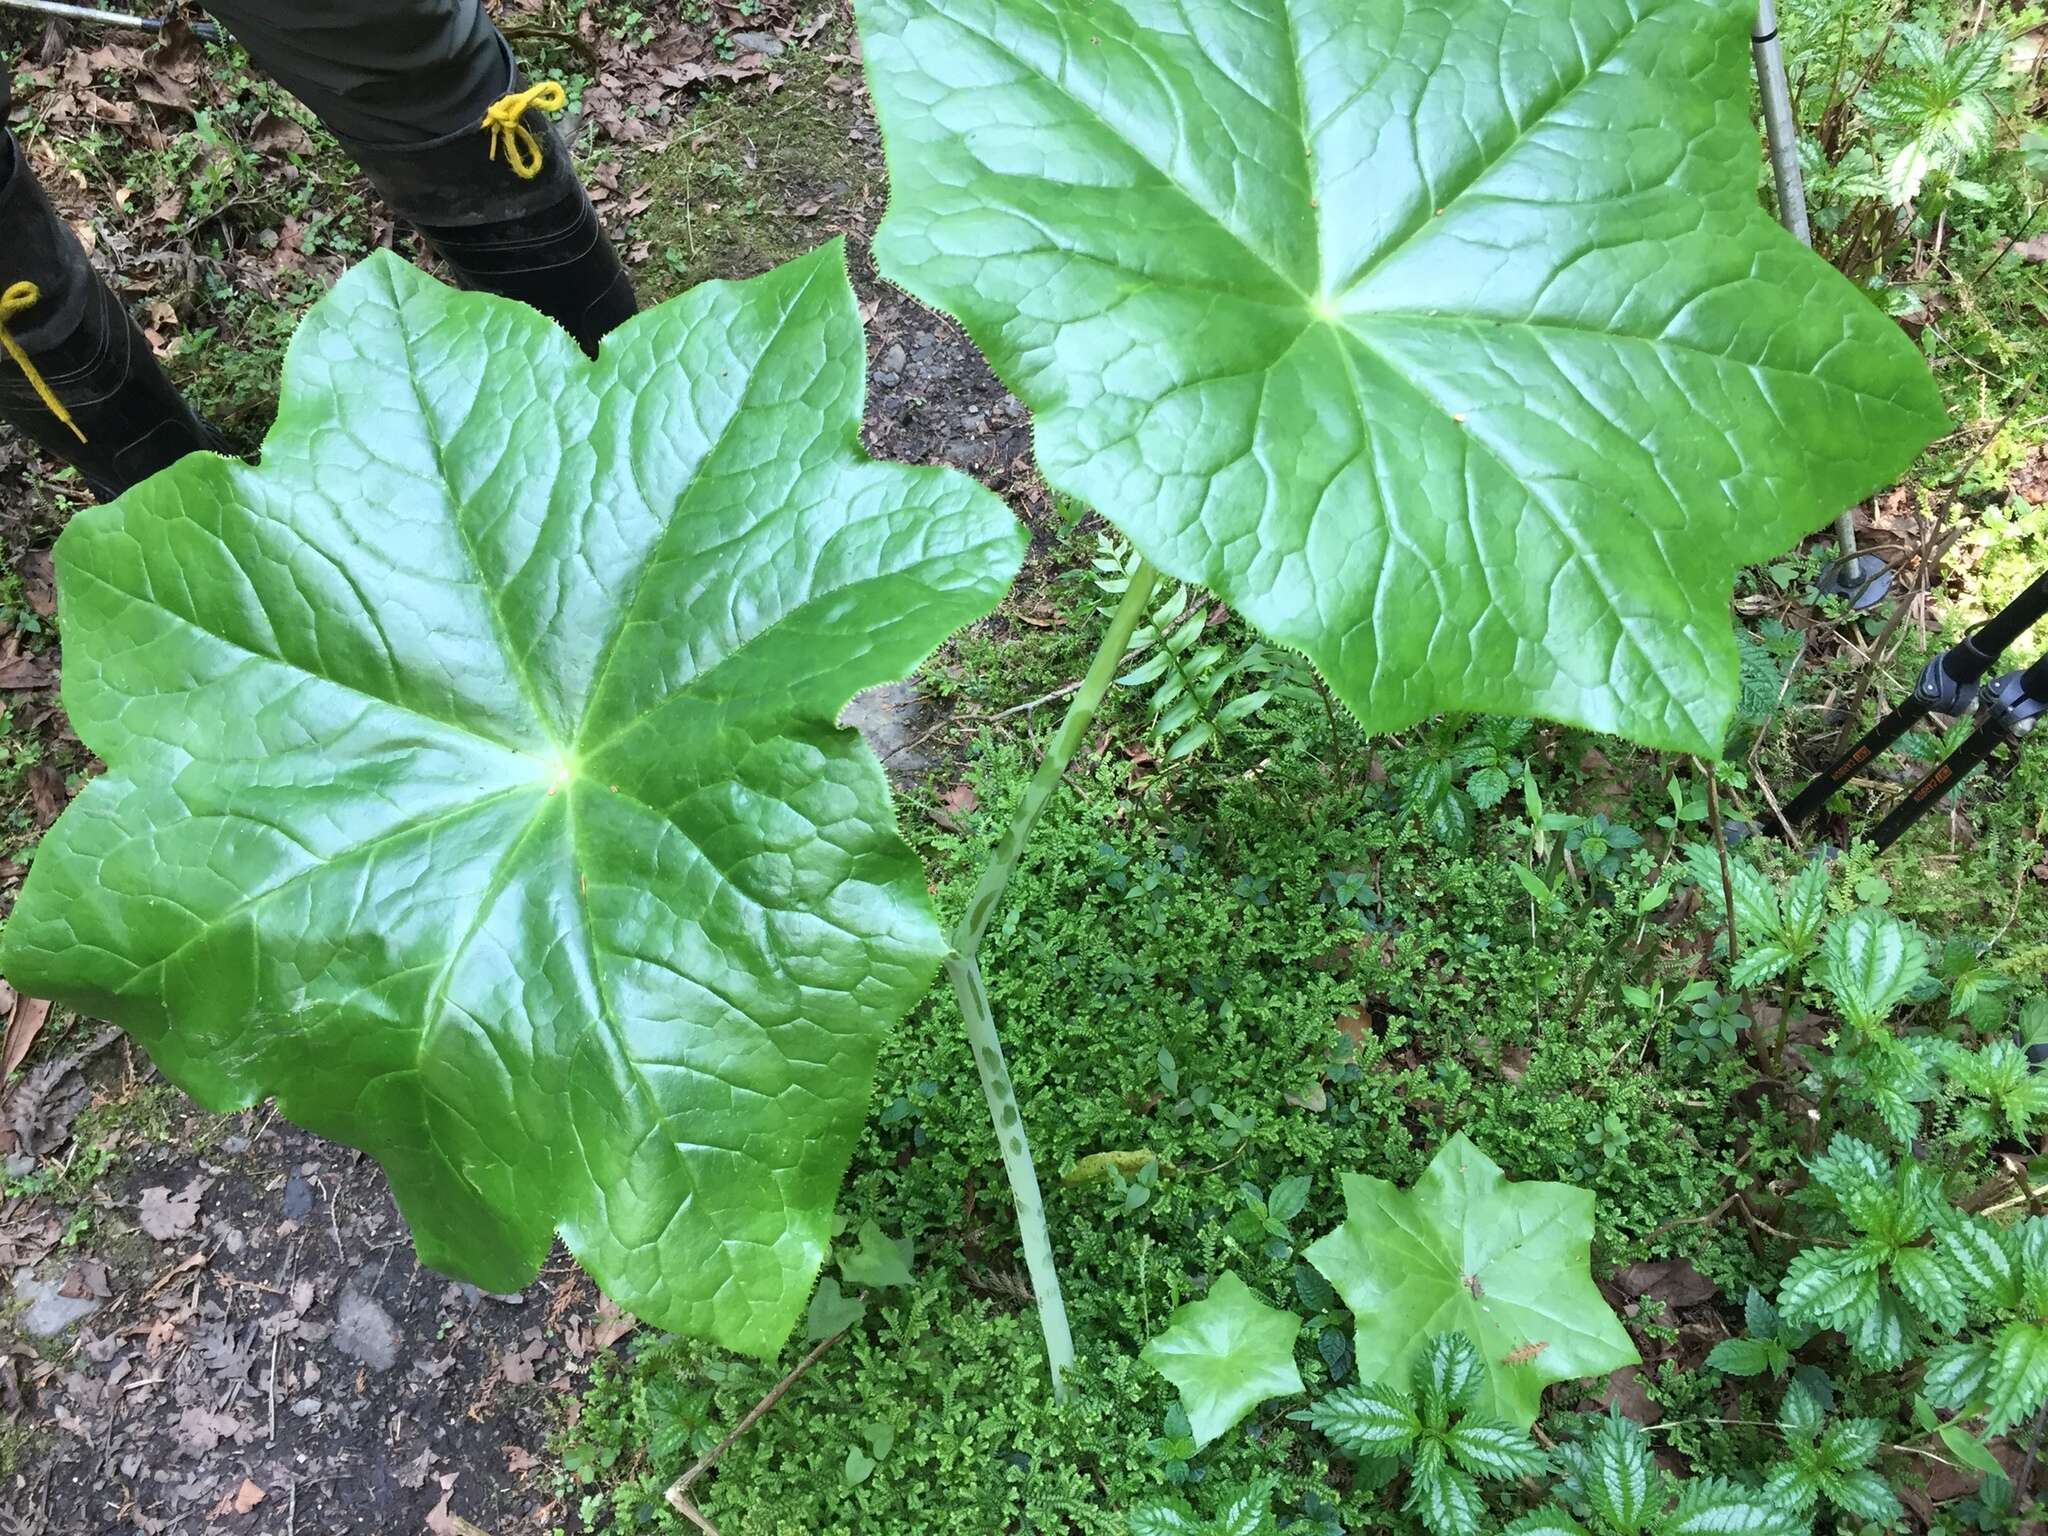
x=1947, y=686
x=1781, y=138
x=2007, y=710
x=204, y=30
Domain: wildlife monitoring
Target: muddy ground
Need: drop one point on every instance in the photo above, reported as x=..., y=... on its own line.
x=217, y=1323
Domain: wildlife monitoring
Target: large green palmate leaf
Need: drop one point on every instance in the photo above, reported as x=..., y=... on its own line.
x=1467, y=1250
x=473, y=783
x=1446, y=341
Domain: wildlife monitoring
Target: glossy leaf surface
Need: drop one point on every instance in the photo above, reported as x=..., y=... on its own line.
x=473, y=778
x=1466, y=1250
x=1447, y=342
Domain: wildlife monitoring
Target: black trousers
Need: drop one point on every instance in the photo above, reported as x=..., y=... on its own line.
x=377, y=71
x=403, y=84
x=382, y=72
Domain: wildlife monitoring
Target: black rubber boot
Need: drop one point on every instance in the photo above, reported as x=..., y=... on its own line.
x=91, y=358
x=536, y=240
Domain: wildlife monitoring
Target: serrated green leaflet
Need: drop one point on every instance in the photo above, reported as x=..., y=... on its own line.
x=1446, y=342
x=1226, y=1353
x=473, y=782
x=1506, y=1264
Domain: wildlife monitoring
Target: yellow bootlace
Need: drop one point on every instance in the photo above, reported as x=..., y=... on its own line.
x=502, y=121
x=19, y=299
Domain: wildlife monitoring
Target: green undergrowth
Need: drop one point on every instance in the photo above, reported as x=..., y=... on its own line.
x=1265, y=968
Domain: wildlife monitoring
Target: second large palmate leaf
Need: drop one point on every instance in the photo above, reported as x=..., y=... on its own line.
x=473, y=782
x=1445, y=339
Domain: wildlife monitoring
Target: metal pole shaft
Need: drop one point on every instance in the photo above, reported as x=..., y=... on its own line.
x=86, y=13
x=1781, y=135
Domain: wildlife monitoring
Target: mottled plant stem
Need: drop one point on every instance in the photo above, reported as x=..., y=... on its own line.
x=963, y=969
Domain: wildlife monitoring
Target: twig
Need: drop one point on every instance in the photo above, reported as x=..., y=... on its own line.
x=2023, y=1484
x=1721, y=847
x=1692, y=1221
x=679, y=1491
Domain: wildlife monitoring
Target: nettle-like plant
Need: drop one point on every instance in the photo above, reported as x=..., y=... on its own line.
x=1435, y=1433
x=1892, y=1280
x=1828, y=1462
x=473, y=783
x=2001, y=1371
x=1613, y=1487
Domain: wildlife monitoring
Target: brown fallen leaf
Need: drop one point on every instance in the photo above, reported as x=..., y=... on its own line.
x=42, y=1104
x=85, y=1278
x=46, y=793
x=955, y=806
x=164, y=1215
x=25, y=1019
x=1672, y=1281
x=612, y=1324
x=241, y=1501
x=279, y=135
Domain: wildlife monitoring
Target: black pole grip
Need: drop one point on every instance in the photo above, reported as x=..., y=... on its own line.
x=1910, y=712
x=1947, y=773
x=1978, y=652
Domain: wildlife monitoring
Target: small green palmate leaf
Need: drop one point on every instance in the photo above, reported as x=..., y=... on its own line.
x=1440, y=1496
x=1616, y=1474
x=831, y=1310
x=1448, y=1377
x=2019, y=1375
x=473, y=778
x=1494, y=1450
x=1506, y=1264
x=1226, y=1354
x=1373, y=1418
x=1869, y=961
x=880, y=1261
x=1446, y=342
x=1547, y=1521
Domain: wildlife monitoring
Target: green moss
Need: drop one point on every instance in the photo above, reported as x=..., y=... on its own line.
x=739, y=188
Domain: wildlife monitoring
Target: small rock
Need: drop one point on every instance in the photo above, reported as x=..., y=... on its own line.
x=363, y=1331
x=888, y=378
x=49, y=1311
x=767, y=44
x=1012, y=407
x=298, y=1199
x=893, y=359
